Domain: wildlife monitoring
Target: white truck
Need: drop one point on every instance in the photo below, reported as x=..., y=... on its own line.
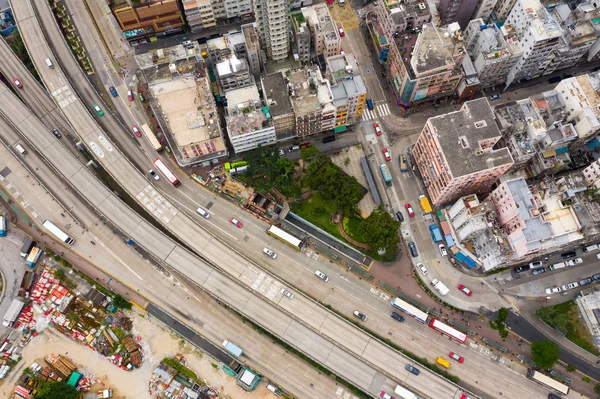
x=13, y=312
x=105, y=393
x=440, y=287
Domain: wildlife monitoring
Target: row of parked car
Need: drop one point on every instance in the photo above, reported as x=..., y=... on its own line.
x=574, y=284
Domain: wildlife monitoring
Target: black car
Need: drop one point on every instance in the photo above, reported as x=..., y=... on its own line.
x=541, y=270
x=567, y=255
x=397, y=317
x=413, y=249
x=56, y=133
x=412, y=369
x=523, y=268
x=553, y=396
x=400, y=216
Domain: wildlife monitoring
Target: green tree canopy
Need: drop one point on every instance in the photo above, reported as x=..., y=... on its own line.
x=57, y=390
x=544, y=353
x=333, y=183
x=121, y=302
x=381, y=230
x=309, y=152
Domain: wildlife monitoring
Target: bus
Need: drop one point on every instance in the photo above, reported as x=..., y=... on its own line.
x=548, y=382
x=160, y=165
x=403, y=164
x=285, y=237
x=152, y=138
x=410, y=310
x=2, y=226
x=448, y=331
x=58, y=233
x=404, y=393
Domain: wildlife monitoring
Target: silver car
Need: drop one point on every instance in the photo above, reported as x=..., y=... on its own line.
x=270, y=253
x=322, y=276
x=570, y=286
x=554, y=290
x=287, y=293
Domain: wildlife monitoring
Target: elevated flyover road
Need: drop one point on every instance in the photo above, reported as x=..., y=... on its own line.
x=230, y=292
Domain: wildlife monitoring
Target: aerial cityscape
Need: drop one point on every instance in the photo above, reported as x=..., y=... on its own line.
x=320, y=199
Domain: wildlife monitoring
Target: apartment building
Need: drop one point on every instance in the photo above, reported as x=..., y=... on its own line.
x=539, y=34
x=249, y=124
x=459, y=11
x=238, y=9
x=254, y=54
x=494, y=51
x=140, y=22
x=273, y=26
x=312, y=102
x=455, y=152
x=301, y=34
x=277, y=98
x=400, y=17
x=348, y=89
x=199, y=14
x=325, y=39
x=519, y=122
x=233, y=73
x=579, y=35
x=484, y=9
x=502, y=9
x=591, y=175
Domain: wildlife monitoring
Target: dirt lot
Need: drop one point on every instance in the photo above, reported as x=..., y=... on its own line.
x=157, y=344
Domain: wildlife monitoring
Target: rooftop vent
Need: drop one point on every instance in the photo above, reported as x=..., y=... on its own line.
x=480, y=124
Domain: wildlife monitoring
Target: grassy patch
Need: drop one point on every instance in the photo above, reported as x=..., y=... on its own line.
x=352, y=227
x=317, y=210
x=564, y=317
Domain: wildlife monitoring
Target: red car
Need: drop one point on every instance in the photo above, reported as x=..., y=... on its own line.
x=409, y=210
x=17, y=83
x=454, y=356
x=385, y=395
x=236, y=222
x=386, y=154
x=342, y=34
x=136, y=131
x=377, y=129
x=465, y=290
x=130, y=95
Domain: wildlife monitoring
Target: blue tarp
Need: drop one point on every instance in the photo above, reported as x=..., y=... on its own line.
x=562, y=149
x=460, y=257
x=594, y=143
x=469, y=262
x=449, y=240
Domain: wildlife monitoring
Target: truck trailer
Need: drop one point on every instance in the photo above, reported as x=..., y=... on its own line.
x=436, y=235
x=232, y=348
x=13, y=312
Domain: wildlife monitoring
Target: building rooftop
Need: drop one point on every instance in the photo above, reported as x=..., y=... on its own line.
x=590, y=84
x=461, y=133
x=319, y=17
x=246, y=122
x=543, y=26
x=240, y=98
x=276, y=93
x=218, y=43
x=537, y=229
x=234, y=38
x=303, y=94
x=432, y=52
x=251, y=37
x=231, y=65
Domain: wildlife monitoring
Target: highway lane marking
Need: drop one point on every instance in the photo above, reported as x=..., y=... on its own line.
x=114, y=255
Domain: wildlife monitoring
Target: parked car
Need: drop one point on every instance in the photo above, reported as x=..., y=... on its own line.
x=412, y=369
x=361, y=316
x=136, y=131
x=422, y=268
x=397, y=317
x=341, y=30
x=541, y=270
x=442, y=249
x=98, y=110
x=523, y=268
x=570, y=286
x=596, y=277
x=413, y=249
x=585, y=281
x=269, y=253
x=554, y=290
x=535, y=264
x=409, y=210
x=575, y=261
x=287, y=293
x=399, y=216
x=154, y=175
x=386, y=154
x=567, y=255
x=236, y=223
x=456, y=357
x=56, y=133
x=18, y=83
x=113, y=91
x=130, y=95
x=494, y=97
x=322, y=276
x=377, y=129
x=464, y=289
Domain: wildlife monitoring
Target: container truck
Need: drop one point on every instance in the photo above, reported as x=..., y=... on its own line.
x=440, y=287
x=13, y=312
x=34, y=256
x=232, y=348
x=436, y=235
x=385, y=172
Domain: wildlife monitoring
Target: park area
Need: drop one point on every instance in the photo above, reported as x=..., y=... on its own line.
x=328, y=195
x=564, y=317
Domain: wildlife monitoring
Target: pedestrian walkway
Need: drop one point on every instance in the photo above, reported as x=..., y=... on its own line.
x=379, y=111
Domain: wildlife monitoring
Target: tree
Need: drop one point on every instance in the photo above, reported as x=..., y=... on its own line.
x=597, y=390
x=571, y=368
x=57, y=390
x=381, y=230
x=544, y=353
x=121, y=303
x=309, y=152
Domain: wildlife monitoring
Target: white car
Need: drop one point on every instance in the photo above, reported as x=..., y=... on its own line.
x=287, y=293
x=270, y=253
x=322, y=276
x=570, y=286
x=422, y=268
x=575, y=261
x=550, y=291
x=442, y=248
x=360, y=315
x=154, y=175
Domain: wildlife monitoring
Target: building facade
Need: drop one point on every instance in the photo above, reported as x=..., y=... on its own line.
x=151, y=19
x=459, y=11
x=273, y=26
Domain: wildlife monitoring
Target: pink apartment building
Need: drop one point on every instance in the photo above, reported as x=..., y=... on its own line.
x=455, y=154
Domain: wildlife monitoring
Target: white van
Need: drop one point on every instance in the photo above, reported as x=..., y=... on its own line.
x=49, y=63
x=20, y=148
x=558, y=266
x=203, y=213
x=591, y=248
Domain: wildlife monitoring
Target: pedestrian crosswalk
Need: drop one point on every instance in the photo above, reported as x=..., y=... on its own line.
x=379, y=111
